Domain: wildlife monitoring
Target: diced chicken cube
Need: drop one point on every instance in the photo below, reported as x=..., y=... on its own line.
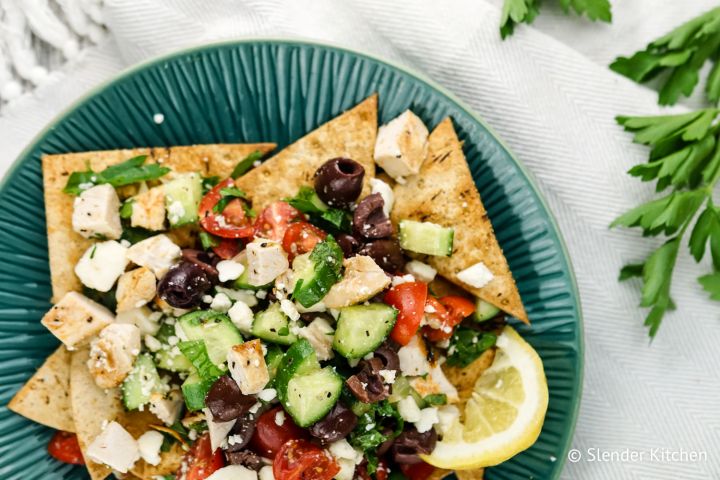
x=247, y=367
x=75, y=319
x=149, y=445
x=320, y=335
x=96, y=213
x=421, y=271
x=234, y=472
x=113, y=353
x=346, y=457
x=363, y=279
x=402, y=146
x=101, y=265
x=266, y=261
x=114, y=447
x=145, y=319
x=134, y=289
x=218, y=430
x=413, y=358
x=167, y=407
x=148, y=209
x=157, y=253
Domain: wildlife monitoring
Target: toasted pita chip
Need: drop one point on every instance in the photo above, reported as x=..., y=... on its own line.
x=444, y=193
x=65, y=246
x=45, y=397
x=137, y=423
x=351, y=135
x=464, y=378
x=92, y=408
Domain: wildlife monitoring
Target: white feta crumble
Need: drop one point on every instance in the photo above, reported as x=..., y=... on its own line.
x=413, y=358
x=447, y=414
x=408, y=409
x=101, y=265
x=421, y=271
x=477, y=276
x=385, y=191
x=221, y=303
x=218, y=430
x=149, y=444
x=242, y=316
x=152, y=343
x=233, y=472
x=175, y=211
x=428, y=418
x=114, y=447
x=388, y=376
x=400, y=279
x=280, y=418
x=207, y=298
x=266, y=473
x=288, y=308
x=229, y=270
x=267, y=395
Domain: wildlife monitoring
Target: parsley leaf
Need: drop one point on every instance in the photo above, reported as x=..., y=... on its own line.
x=126, y=209
x=125, y=173
x=435, y=399
x=525, y=11
x=226, y=195
x=207, y=240
x=370, y=431
x=245, y=164
x=307, y=201
x=320, y=214
x=466, y=345
x=711, y=284
x=681, y=54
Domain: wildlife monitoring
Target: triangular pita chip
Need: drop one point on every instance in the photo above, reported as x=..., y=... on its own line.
x=65, y=246
x=45, y=397
x=92, y=408
x=351, y=135
x=444, y=193
x=137, y=423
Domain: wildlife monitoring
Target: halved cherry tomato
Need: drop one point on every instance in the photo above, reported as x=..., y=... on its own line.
x=232, y=222
x=301, y=460
x=381, y=473
x=64, y=446
x=274, y=220
x=450, y=311
x=301, y=237
x=200, y=461
x=417, y=471
x=409, y=298
x=227, y=248
x=269, y=437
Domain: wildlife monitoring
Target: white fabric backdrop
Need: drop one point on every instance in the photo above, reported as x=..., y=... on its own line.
x=548, y=94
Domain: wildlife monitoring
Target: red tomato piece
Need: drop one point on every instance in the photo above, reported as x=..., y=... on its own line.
x=301, y=460
x=274, y=220
x=409, y=298
x=200, y=462
x=417, y=471
x=381, y=473
x=301, y=237
x=232, y=222
x=449, y=311
x=227, y=248
x=269, y=437
x=64, y=447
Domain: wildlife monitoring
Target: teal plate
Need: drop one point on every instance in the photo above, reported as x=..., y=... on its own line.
x=276, y=91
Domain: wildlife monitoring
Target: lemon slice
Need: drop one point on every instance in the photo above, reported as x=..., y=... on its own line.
x=504, y=414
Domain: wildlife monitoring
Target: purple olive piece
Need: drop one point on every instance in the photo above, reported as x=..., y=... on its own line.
x=387, y=353
x=369, y=219
x=407, y=447
x=246, y=458
x=383, y=448
x=204, y=260
x=348, y=243
x=368, y=385
x=337, y=424
x=225, y=400
x=184, y=285
x=386, y=253
x=242, y=432
x=338, y=182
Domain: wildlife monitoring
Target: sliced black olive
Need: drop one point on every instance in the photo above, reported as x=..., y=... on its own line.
x=386, y=253
x=407, y=447
x=241, y=432
x=338, y=182
x=369, y=219
x=184, y=285
x=337, y=424
x=246, y=458
x=348, y=243
x=368, y=385
x=205, y=260
x=387, y=353
x=225, y=400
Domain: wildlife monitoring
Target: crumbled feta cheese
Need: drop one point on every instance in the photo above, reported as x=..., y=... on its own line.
x=75, y=319
x=149, y=445
x=280, y=418
x=400, y=279
x=288, y=308
x=343, y=449
x=254, y=409
x=320, y=335
x=408, y=409
x=96, y=213
x=152, y=343
x=113, y=353
x=385, y=191
x=207, y=298
x=175, y=211
x=242, y=317
x=167, y=407
x=114, y=447
x=221, y=303
x=229, y=270
x=247, y=367
x=267, y=394
x=477, y=276
x=266, y=261
x=421, y=271
x=158, y=253
x=428, y=418
x=261, y=294
x=413, y=358
x=218, y=430
x=101, y=265
x=388, y=376
x=401, y=146
x=233, y=472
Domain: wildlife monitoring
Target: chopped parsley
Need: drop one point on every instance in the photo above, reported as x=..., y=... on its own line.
x=435, y=399
x=226, y=195
x=125, y=173
x=126, y=209
x=246, y=164
x=320, y=214
x=371, y=430
x=207, y=240
x=468, y=344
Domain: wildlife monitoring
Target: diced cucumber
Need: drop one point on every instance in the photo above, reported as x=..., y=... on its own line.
x=401, y=388
x=215, y=329
x=242, y=282
x=182, y=197
x=273, y=325
x=426, y=237
x=360, y=408
x=298, y=360
x=311, y=396
x=194, y=390
x=169, y=356
x=317, y=272
x=140, y=383
x=484, y=311
x=362, y=328
x=273, y=358
x=203, y=375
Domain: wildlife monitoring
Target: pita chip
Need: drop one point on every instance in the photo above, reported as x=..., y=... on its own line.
x=444, y=193
x=137, y=423
x=45, y=397
x=65, y=246
x=350, y=135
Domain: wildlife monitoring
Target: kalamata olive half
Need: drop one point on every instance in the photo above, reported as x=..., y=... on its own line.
x=225, y=400
x=184, y=285
x=348, y=243
x=204, y=260
x=370, y=220
x=411, y=443
x=338, y=182
x=246, y=458
x=386, y=253
x=241, y=432
x=337, y=424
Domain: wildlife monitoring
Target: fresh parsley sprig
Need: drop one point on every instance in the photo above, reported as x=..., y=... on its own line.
x=525, y=11
x=125, y=173
x=685, y=157
x=680, y=54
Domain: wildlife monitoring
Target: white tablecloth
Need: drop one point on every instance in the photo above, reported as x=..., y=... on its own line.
x=548, y=94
